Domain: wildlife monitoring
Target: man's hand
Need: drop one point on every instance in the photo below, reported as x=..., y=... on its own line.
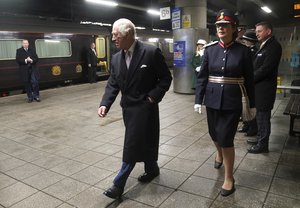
x=197, y=108
x=102, y=111
x=89, y=65
x=29, y=60
x=197, y=69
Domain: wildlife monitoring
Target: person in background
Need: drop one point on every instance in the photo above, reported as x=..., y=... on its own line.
x=140, y=72
x=241, y=31
x=92, y=62
x=197, y=60
x=27, y=58
x=249, y=39
x=266, y=64
x=226, y=66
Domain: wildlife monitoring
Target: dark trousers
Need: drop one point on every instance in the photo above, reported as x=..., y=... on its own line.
x=32, y=86
x=121, y=178
x=264, y=127
x=92, y=74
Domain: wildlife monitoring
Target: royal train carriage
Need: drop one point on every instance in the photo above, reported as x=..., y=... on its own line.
x=62, y=48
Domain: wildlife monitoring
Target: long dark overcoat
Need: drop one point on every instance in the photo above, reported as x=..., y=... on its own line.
x=266, y=64
x=24, y=67
x=148, y=76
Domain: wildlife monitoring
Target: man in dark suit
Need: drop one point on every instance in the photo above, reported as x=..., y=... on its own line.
x=266, y=64
x=140, y=72
x=92, y=61
x=27, y=59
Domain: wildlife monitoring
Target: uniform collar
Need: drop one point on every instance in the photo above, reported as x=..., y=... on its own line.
x=223, y=45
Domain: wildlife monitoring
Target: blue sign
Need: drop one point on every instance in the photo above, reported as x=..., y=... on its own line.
x=179, y=53
x=176, y=18
x=295, y=60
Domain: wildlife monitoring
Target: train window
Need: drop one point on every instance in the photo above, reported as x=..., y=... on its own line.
x=8, y=48
x=100, y=47
x=151, y=43
x=50, y=48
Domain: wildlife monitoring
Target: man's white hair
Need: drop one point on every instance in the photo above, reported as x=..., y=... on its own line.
x=125, y=26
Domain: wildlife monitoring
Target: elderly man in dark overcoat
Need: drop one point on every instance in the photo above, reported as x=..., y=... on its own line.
x=266, y=64
x=140, y=72
x=27, y=58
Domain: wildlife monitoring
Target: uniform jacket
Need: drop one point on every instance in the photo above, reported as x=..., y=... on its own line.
x=265, y=74
x=91, y=58
x=253, y=50
x=232, y=61
x=26, y=68
x=148, y=75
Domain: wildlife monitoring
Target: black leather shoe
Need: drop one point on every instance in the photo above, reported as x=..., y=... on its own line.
x=218, y=165
x=37, y=99
x=252, y=141
x=225, y=192
x=29, y=100
x=256, y=149
x=147, y=177
x=114, y=192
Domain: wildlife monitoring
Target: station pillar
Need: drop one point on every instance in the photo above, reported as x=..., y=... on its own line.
x=185, y=40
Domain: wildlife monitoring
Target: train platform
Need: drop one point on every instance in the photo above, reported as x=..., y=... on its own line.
x=59, y=153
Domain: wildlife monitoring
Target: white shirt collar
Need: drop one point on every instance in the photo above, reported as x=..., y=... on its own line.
x=131, y=49
x=263, y=43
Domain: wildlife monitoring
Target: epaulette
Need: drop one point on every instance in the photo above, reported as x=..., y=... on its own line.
x=210, y=44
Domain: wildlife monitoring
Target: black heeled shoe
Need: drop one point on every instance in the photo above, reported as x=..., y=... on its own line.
x=225, y=192
x=217, y=164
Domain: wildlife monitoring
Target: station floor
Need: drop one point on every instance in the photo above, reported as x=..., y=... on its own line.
x=59, y=153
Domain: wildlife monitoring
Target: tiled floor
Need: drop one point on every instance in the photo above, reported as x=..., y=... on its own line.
x=59, y=153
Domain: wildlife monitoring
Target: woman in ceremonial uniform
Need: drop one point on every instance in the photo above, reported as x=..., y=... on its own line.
x=227, y=65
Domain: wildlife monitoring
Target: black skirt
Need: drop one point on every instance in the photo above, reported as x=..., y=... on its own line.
x=222, y=125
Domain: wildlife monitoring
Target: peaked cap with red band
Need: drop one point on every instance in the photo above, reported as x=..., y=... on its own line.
x=225, y=16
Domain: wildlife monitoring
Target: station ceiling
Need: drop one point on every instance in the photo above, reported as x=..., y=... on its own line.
x=79, y=10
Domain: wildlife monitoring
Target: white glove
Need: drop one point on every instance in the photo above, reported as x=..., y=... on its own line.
x=89, y=65
x=197, y=108
x=197, y=69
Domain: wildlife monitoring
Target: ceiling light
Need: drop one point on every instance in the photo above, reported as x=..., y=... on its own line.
x=266, y=9
x=94, y=23
x=153, y=12
x=104, y=2
x=169, y=40
x=140, y=28
x=152, y=40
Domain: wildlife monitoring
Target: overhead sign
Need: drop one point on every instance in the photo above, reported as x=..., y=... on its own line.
x=165, y=13
x=176, y=13
x=176, y=18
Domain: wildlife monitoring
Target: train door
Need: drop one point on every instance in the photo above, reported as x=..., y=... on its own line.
x=103, y=56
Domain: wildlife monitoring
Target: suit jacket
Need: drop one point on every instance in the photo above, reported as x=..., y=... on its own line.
x=148, y=76
x=91, y=58
x=265, y=74
x=233, y=61
x=26, y=68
